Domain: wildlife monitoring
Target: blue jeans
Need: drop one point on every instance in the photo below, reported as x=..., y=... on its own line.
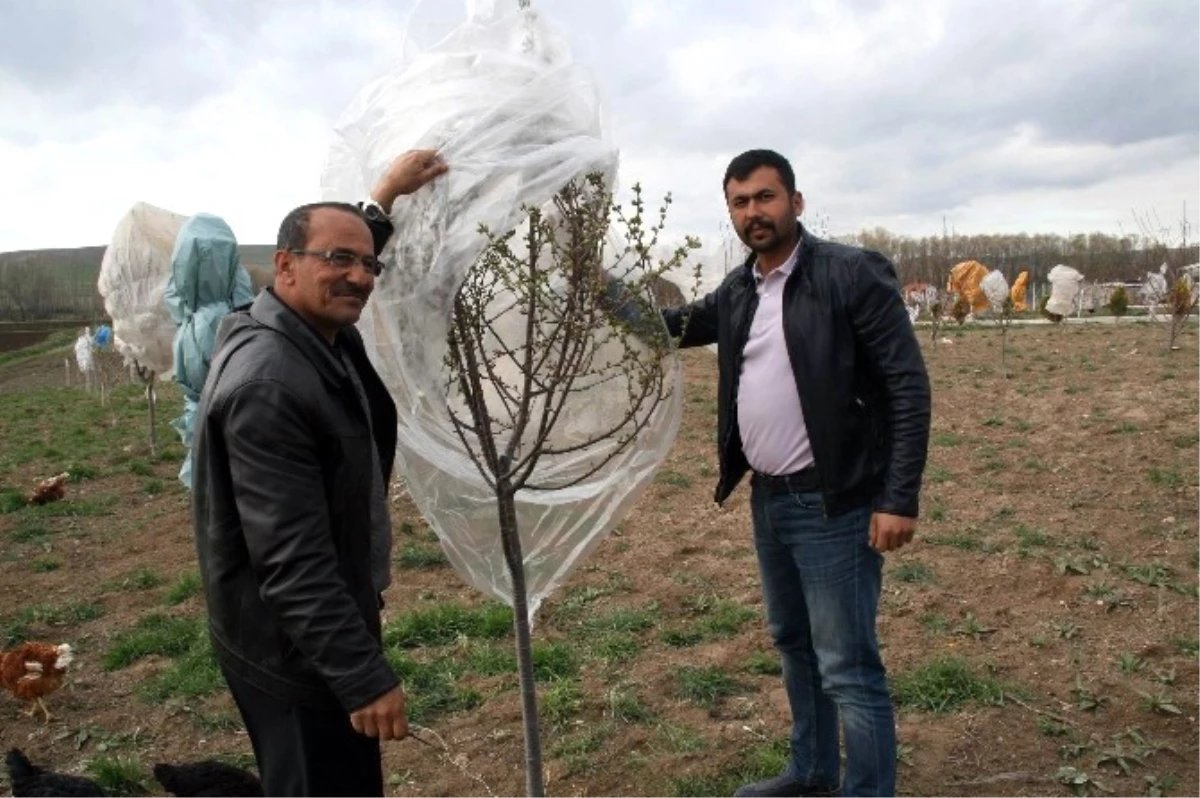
x=821, y=582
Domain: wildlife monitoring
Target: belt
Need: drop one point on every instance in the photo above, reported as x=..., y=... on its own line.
x=803, y=481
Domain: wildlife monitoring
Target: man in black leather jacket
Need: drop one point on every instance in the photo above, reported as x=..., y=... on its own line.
x=295, y=438
x=824, y=399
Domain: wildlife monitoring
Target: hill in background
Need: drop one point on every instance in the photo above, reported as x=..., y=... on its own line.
x=61, y=283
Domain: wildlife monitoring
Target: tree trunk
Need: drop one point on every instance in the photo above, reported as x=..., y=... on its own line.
x=1004, y=351
x=150, y=399
x=509, y=534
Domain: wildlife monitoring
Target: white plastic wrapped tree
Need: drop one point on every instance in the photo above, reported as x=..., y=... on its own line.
x=133, y=277
x=535, y=392
x=1064, y=286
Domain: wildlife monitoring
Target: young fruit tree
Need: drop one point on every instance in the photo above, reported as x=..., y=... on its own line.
x=1118, y=302
x=1182, y=297
x=1000, y=300
x=539, y=324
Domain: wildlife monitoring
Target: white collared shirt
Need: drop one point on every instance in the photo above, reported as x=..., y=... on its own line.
x=771, y=421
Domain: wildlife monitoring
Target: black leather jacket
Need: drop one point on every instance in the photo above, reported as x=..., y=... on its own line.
x=281, y=497
x=858, y=368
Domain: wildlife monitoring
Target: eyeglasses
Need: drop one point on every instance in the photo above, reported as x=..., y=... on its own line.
x=344, y=260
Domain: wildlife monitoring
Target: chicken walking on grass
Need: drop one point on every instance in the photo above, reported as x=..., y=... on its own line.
x=27, y=778
x=32, y=671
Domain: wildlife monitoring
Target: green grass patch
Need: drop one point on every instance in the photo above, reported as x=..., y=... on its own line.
x=194, y=674
x=141, y=468
x=956, y=541
x=183, y=588
x=159, y=634
x=562, y=700
x=754, y=764
x=763, y=663
x=616, y=647
x=623, y=619
x=944, y=685
x=1187, y=646
x=1031, y=537
x=553, y=661
x=673, y=478
x=1164, y=478
x=68, y=508
x=417, y=555
x=11, y=500
x=937, y=475
x=153, y=486
x=44, y=565
x=947, y=439
x=487, y=659
x=912, y=572
x=444, y=623
x=141, y=579
x=29, y=532
x=80, y=472
x=1185, y=441
x=575, y=749
x=432, y=687
x=17, y=628
x=624, y=704
x=120, y=775
x=682, y=638
x=705, y=685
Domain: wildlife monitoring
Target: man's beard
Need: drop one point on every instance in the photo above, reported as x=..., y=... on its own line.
x=767, y=244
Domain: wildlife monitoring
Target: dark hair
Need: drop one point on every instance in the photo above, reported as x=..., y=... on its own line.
x=293, y=230
x=741, y=167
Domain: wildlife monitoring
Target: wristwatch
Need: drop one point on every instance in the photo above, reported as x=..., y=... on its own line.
x=374, y=212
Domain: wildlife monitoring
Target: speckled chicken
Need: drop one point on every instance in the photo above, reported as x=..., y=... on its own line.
x=50, y=489
x=32, y=671
x=209, y=777
x=27, y=778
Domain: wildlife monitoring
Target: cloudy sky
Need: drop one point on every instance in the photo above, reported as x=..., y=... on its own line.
x=1056, y=116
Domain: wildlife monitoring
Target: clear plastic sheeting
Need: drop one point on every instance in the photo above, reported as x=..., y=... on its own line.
x=516, y=120
x=83, y=352
x=1064, y=286
x=133, y=277
x=995, y=288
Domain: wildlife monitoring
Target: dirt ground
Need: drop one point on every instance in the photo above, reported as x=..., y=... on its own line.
x=1057, y=558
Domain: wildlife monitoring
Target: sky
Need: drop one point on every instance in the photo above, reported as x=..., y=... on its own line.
x=1054, y=116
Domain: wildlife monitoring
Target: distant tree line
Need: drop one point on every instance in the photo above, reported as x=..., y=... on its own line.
x=29, y=292
x=60, y=284
x=1099, y=256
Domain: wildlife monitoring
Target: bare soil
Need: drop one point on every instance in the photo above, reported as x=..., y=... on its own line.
x=1059, y=533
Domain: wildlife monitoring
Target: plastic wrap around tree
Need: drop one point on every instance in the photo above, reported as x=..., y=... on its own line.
x=83, y=352
x=965, y=279
x=517, y=121
x=995, y=288
x=133, y=277
x=1018, y=292
x=207, y=281
x=1064, y=287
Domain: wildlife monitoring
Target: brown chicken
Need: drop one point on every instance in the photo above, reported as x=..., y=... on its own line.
x=33, y=670
x=50, y=489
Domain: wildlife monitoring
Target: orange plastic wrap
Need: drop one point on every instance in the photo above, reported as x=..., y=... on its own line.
x=965, y=279
x=1018, y=292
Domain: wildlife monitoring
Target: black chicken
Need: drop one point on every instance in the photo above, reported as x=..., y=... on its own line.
x=29, y=779
x=207, y=778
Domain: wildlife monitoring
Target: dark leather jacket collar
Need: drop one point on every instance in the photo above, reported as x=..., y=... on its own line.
x=271, y=311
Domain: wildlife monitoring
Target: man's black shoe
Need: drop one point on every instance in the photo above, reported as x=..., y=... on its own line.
x=782, y=786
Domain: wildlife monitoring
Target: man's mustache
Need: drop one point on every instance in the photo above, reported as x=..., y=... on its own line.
x=345, y=289
x=759, y=224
